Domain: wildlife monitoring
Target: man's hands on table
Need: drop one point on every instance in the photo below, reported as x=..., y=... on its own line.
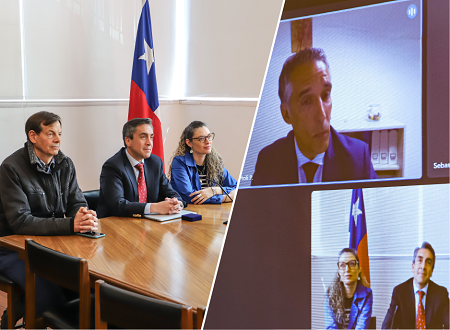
x=168, y=206
x=85, y=221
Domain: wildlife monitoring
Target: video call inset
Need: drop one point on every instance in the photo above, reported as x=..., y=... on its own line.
x=367, y=121
x=384, y=226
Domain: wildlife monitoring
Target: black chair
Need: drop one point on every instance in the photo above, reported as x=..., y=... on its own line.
x=13, y=292
x=66, y=271
x=200, y=316
x=128, y=310
x=373, y=323
x=92, y=197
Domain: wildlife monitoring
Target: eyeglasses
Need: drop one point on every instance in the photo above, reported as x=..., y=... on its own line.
x=351, y=264
x=202, y=139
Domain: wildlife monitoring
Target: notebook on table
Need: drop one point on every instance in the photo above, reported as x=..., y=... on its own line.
x=165, y=217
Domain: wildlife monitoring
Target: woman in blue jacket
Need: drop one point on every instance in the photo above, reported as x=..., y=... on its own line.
x=196, y=169
x=349, y=298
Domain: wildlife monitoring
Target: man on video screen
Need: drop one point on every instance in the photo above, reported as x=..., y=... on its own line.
x=313, y=151
x=419, y=303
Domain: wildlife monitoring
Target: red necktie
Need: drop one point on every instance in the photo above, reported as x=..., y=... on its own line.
x=142, y=188
x=420, y=318
x=310, y=170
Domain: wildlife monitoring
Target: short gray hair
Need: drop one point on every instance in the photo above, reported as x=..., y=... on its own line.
x=304, y=56
x=425, y=245
x=130, y=127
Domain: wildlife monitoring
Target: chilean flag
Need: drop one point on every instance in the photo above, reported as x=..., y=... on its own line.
x=144, y=92
x=358, y=231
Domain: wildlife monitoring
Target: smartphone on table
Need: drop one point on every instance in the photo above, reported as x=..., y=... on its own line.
x=91, y=234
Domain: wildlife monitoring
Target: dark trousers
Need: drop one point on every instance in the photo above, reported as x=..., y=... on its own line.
x=48, y=294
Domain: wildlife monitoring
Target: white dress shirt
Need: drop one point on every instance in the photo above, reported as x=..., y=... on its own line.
x=301, y=160
x=416, y=295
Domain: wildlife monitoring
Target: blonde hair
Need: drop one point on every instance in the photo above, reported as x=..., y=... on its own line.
x=213, y=160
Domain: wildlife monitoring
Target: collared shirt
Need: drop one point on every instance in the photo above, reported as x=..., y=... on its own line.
x=34, y=159
x=301, y=160
x=133, y=163
x=416, y=295
x=47, y=168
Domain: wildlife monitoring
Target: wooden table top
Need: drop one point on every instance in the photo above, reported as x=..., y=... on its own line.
x=174, y=261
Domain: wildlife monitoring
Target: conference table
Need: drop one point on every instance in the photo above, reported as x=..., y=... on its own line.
x=174, y=260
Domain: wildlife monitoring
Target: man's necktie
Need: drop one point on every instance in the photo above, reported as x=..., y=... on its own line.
x=142, y=188
x=420, y=318
x=310, y=170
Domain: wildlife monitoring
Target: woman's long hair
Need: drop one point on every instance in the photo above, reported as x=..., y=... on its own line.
x=213, y=160
x=336, y=291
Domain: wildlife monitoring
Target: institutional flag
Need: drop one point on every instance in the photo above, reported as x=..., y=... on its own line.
x=358, y=231
x=144, y=92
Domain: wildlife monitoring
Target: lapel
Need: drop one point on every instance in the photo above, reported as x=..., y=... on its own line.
x=190, y=162
x=409, y=317
x=429, y=303
x=330, y=170
x=290, y=174
x=130, y=174
x=358, y=300
x=149, y=175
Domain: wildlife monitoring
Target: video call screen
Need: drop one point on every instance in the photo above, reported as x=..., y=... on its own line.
x=375, y=61
x=397, y=219
x=389, y=67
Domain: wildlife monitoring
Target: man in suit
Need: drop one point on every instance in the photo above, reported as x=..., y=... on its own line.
x=419, y=302
x=313, y=151
x=132, y=182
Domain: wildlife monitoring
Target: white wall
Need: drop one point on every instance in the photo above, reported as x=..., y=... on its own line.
x=77, y=53
x=10, y=63
x=229, y=44
x=79, y=49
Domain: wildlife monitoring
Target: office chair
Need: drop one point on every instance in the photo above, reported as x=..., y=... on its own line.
x=92, y=197
x=66, y=271
x=128, y=310
x=200, y=316
x=12, y=291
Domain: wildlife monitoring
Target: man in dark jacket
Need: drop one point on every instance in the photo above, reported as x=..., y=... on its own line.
x=39, y=195
x=313, y=151
x=132, y=182
x=419, y=303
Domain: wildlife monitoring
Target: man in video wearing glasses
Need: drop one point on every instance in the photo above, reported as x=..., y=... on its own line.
x=419, y=303
x=132, y=182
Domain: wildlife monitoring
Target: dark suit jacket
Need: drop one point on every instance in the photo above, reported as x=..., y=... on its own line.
x=345, y=159
x=436, y=307
x=119, y=189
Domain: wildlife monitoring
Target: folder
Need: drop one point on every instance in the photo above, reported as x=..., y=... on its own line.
x=392, y=147
x=375, y=155
x=384, y=147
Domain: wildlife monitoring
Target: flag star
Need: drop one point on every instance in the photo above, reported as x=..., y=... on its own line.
x=356, y=212
x=147, y=56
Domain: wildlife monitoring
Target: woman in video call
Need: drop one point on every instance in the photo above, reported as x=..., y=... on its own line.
x=196, y=169
x=349, y=299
